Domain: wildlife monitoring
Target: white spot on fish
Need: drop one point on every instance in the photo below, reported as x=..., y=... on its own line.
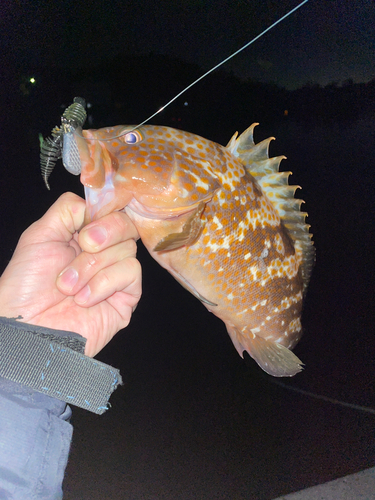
x=213, y=246
x=226, y=242
x=199, y=181
x=242, y=312
x=253, y=270
x=217, y=222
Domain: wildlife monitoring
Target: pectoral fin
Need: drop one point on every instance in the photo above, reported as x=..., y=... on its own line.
x=189, y=234
x=272, y=357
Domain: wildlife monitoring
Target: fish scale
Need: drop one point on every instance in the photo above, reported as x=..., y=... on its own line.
x=222, y=220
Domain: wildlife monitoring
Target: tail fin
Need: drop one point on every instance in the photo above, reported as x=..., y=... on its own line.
x=272, y=357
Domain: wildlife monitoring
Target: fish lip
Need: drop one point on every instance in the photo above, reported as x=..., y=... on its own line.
x=161, y=214
x=101, y=201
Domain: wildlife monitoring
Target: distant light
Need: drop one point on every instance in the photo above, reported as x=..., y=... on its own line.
x=286, y=112
x=186, y=103
x=32, y=80
x=89, y=105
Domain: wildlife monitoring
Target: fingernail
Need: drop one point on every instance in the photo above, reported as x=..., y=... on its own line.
x=96, y=235
x=83, y=295
x=68, y=278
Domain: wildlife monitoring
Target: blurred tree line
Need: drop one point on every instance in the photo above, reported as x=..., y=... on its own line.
x=127, y=90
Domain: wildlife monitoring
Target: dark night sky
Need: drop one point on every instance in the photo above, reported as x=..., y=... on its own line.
x=192, y=416
x=322, y=42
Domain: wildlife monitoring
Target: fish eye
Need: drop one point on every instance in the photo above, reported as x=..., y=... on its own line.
x=131, y=137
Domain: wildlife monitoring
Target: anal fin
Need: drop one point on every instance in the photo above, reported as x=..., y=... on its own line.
x=272, y=357
x=191, y=231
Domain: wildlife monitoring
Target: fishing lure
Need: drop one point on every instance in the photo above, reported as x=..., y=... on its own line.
x=62, y=143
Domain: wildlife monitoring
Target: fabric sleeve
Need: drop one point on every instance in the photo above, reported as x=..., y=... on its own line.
x=35, y=436
x=40, y=371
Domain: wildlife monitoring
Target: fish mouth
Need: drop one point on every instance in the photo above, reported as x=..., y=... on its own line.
x=104, y=200
x=160, y=213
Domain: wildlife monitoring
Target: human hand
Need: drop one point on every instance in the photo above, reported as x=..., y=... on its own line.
x=87, y=282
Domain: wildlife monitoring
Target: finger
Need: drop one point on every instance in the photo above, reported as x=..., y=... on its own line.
x=86, y=265
x=59, y=223
x=107, y=231
x=124, y=276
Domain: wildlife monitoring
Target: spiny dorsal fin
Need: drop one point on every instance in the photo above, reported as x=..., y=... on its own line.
x=274, y=185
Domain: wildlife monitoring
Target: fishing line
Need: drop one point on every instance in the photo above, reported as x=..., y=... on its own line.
x=62, y=143
x=323, y=398
x=207, y=73
x=224, y=61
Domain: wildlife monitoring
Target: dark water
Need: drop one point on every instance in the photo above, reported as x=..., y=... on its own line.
x=195, y=421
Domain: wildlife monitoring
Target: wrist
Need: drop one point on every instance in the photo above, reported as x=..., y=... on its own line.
x=52, y=362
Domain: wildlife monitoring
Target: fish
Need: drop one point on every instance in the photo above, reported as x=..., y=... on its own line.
x=222, y=220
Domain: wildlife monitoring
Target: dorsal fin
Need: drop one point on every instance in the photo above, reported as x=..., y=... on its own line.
x=274, y=185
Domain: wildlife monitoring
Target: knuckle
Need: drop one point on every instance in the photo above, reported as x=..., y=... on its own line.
x=118, y=222
x=131, y=247
x=104, y=280
x=134, y=272
x=92, y=260
x=136, y=265
x=123, y=225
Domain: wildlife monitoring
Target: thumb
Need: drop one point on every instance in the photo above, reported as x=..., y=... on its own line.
x=59, y=223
